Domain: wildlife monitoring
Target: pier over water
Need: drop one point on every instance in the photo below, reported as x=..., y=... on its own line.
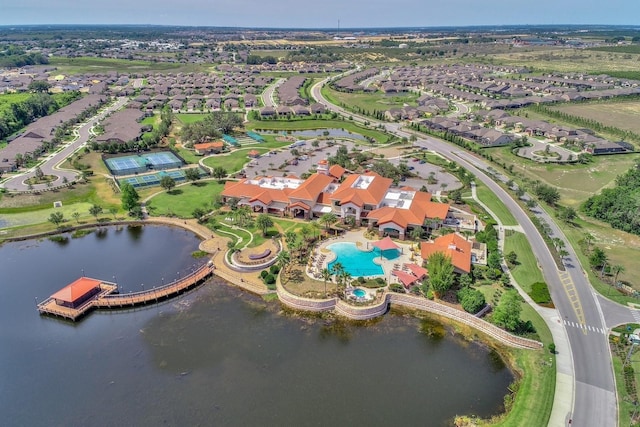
x=78, y=298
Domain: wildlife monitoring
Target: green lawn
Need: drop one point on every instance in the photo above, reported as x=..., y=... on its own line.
x=151, y=120
x=526, y=272
x=183, y=200
x=369, y=102
x=491, y=200
x=190, y=118
x=235, y=160
x=189, y=156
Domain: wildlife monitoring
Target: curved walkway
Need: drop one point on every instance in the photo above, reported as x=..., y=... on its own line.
x=410, y=301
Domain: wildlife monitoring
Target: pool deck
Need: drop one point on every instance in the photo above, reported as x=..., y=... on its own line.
x=322, y=255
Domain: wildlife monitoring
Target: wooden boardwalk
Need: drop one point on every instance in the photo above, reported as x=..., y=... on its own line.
x=107, y=298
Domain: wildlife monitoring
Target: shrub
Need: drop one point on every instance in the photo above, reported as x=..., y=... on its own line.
x=269, y=279
x=274, y=269
x=540, y=293
x=361, y=280
x=396, y=287
x=263, y=274
x=471, y=300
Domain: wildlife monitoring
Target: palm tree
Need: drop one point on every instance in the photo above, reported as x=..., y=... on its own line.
x=315, y=228
x=264, y=221
x=617, y=269
x=346, y=277
x=588, y=239
x=290, y=236
x=244, y=214
x=305, y=232
x=328, y=219
x=416, y=233
x=338, y=270
x=326, y=276
x=283, y=259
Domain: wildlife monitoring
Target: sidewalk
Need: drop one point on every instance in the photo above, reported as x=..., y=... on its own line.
x=565, y=376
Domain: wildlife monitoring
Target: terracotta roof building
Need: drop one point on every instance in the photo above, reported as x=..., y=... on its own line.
x=452, y=245
x=77, y=293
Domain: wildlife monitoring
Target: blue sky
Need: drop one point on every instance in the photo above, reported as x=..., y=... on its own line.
x=320, y=13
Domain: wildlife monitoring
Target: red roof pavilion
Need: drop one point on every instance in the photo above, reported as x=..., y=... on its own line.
x=77, y=291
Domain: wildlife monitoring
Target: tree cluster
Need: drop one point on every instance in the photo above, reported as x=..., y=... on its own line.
x=211, y=127
x=618, y=206
x=38, y=105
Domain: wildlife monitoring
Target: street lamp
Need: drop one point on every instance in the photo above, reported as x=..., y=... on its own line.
x=142, y=284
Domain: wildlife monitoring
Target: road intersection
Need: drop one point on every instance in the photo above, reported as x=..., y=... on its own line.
x=585, y=394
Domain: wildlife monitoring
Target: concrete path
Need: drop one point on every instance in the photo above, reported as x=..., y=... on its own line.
x=565, y=376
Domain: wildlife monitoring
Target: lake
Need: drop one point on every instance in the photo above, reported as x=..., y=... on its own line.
x=216, y=355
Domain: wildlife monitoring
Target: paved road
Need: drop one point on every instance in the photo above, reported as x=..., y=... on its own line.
x=267, y=95
x=52, y=163
x=594, y=399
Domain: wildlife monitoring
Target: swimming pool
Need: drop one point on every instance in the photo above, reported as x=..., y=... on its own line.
x=360, y=293
x=355, y=262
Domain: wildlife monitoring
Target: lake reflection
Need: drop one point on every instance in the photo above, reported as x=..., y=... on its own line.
x=216, y=356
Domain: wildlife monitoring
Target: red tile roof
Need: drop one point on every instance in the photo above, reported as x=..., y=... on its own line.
x=407, y=279
x=452, y=245
x=372, y=195
x=76, y=290
x=311, y=188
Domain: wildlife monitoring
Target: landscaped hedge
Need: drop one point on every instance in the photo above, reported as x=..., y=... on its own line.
x=540, y=293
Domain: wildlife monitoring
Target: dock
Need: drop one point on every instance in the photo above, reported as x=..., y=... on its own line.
x=107, y=296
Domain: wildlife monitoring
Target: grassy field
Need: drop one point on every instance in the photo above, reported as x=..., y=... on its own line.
x=491, y=200
x=10, y=98
x=622, y=115
x=183, y=200
x=233, y=161
x=151, y=120
x=190, y=118
x=370, y=101
x=99, y=65
x=564, y=60
x=575, y=182
x=317, y=124
x=526, y=272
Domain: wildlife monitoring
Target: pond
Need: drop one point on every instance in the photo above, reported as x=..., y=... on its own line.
x=216, y=355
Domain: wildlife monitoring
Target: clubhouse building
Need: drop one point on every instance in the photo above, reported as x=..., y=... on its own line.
x=366, y=199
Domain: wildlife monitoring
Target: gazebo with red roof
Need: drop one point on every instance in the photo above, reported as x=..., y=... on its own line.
x=407, y=279
x=385, y=244
x=76, y=293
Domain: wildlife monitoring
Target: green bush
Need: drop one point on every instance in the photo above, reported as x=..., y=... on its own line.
x=396, y=287
x=471, y=300
x=269, y=279
x=274, y=269
x=263, y=274
x=361, y=280
x=540, y=293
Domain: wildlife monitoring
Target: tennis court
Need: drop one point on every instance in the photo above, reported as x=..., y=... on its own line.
x=151, y=179
x=138, y=163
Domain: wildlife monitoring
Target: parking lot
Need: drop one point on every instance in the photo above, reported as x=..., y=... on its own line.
x=309, y=156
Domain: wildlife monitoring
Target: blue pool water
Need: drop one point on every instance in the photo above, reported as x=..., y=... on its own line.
x=355, y=262
x=360, y=293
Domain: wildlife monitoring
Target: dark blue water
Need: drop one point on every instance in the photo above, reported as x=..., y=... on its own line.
x=215, y=356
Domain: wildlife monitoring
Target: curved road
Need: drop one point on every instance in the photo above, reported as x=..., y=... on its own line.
x=52, y=162
x=593, y=401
